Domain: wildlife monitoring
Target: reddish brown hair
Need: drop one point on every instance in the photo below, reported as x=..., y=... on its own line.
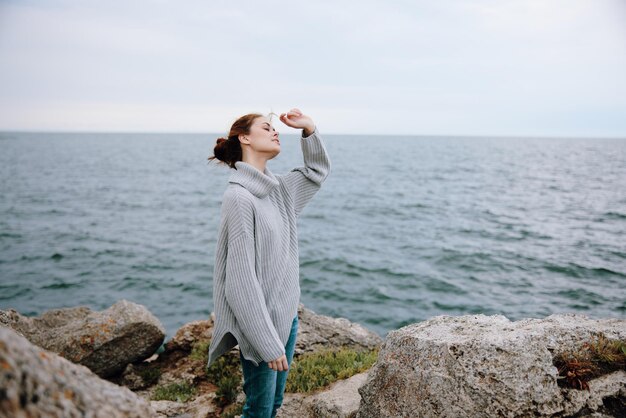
x=228, y=150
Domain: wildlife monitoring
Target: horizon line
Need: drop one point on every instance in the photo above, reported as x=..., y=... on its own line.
x=26, y=131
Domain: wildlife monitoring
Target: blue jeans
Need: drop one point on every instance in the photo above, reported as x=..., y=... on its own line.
x=264, y=387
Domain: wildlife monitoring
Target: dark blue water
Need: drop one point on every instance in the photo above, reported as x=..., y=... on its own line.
x=404, y=228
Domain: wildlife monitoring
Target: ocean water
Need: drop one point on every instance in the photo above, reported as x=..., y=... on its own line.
x=403, y=229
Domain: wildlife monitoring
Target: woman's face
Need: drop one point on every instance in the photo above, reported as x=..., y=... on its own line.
x=263, y=137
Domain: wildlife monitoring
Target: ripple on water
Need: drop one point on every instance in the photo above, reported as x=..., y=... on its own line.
x=612, y=215
x=582, y=296
x=132, y=282
x=578, y=271
x=476, y=262
x=506, y=233
x=10, y=235
x=342, y=266
x=13, y=292
x=443, y=286
x=63, y=285
x=460, y=307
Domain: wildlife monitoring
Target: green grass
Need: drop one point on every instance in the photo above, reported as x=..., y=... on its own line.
x=317, y=370
x=232, y=411
x=200, y=350
x=592, y=359
x=178, y=392
x=226, y=375
x=150, y=375
x=607, y=351
x=308, y=373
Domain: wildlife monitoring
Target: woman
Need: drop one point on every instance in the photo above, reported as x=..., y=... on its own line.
x=256, y=288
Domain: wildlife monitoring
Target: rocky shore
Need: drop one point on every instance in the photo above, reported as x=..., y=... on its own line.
x=77, y=362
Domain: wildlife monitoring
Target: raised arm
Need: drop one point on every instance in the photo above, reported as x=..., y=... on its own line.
x=303, y=182
x=242, y=288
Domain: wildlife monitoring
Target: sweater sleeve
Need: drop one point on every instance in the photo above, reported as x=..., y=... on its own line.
x=303, y=182
x=245, y=297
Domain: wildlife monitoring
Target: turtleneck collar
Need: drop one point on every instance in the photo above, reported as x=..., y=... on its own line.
x=256, y=182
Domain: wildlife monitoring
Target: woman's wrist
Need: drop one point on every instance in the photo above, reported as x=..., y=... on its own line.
x=308, y=131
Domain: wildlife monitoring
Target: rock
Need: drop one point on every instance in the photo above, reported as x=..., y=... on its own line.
x=201, y=407
x=294, y=406
x=318, y=331
x=166, y=409
x=485, y=366
x=138, y=376
x=342, y=399
x=103, y=341
x=189, y=334
x=133, y=380
x=339, y=400
x=35, y=382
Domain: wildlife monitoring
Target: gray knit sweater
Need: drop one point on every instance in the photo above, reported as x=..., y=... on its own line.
x=256, y=287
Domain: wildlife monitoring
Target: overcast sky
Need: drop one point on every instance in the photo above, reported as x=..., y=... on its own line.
x=445, y=67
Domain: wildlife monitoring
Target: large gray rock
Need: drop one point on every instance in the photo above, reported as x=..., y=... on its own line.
x=317, y=332
x=200, y=407
x=103, y=341
x=38, y=383
x=191, y=333
x=487, y=366
x=340, y=400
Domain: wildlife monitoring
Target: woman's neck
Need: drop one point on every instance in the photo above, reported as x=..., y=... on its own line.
x=258, y=162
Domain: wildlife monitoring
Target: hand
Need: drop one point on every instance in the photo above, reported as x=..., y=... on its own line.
x=280, y=364
x=296, y=119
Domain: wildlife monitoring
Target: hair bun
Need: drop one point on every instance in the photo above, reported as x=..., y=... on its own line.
x=228, y=149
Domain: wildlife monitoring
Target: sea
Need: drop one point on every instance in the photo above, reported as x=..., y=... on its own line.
x=403, y=229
